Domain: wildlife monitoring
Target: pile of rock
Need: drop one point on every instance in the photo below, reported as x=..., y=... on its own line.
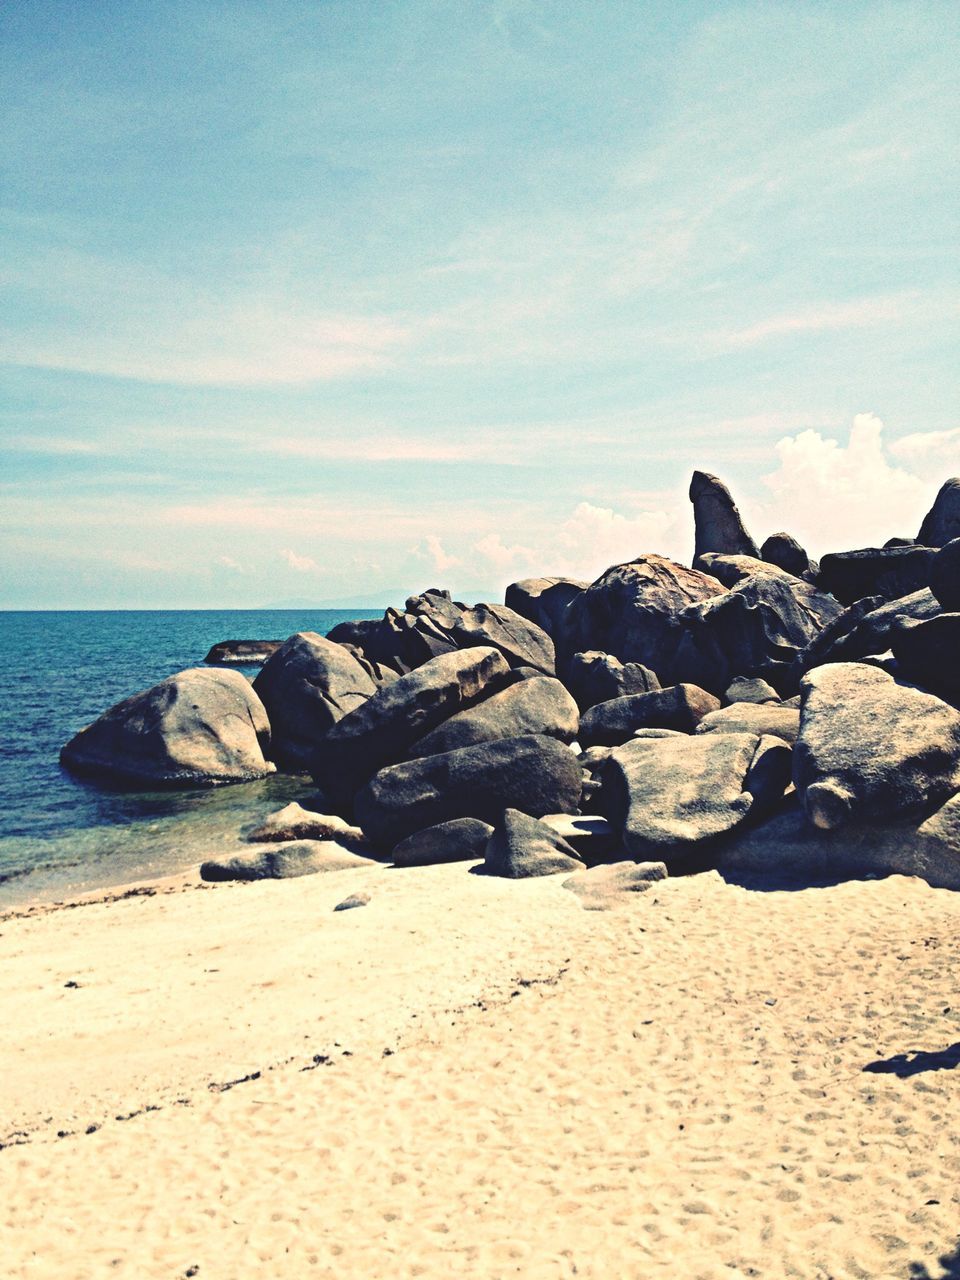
x=757, y=711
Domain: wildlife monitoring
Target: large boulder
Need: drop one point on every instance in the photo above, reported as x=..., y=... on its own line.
x=717, y=521
x=866, y=627
x=945, y=576
x=543, y=600
x=594, y=677
x=307, y=686
x=521, y=641
x=294, y=822
x=871, y=749
x=632, y=611
x=928, y=653
x=198, y=728
x=673, y=797
x=888, y=572
x=534, y=774
x=941, y=524
x=750, y=689
x=537, y=705
x=680, y=707
x=522, y=847
x=771, y=719
x=383, y=728
x=459, y=840
x=784, y=551
x=286, y=862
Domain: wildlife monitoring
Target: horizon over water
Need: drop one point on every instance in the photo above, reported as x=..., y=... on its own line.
x=61, y=835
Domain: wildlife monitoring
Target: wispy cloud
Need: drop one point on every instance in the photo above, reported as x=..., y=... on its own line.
x=302, y=564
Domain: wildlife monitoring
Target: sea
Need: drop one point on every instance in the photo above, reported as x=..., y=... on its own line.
x=60, y=835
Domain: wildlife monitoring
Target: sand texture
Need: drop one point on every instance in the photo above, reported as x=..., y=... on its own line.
x=474, y=1077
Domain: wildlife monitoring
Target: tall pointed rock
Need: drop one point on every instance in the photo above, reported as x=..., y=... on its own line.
x=717, y=521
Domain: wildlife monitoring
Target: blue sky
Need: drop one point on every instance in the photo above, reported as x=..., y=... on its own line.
x=318, y=300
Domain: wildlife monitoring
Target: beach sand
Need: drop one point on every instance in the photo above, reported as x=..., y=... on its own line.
x=476, y=1077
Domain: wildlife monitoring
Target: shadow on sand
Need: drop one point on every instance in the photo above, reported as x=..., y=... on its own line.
x=948, y=1262
x=911, y=1064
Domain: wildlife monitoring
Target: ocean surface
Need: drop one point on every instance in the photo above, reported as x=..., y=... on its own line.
x=60, y=835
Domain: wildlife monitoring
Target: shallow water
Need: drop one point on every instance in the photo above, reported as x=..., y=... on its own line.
x=59, y=834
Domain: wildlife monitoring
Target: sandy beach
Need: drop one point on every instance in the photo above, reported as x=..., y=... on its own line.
x=476, y=1077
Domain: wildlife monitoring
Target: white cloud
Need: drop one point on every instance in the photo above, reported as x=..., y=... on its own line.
x=934, y=455
x=302, y=564
x=441, y=561
x=228, y=562
x=592, y=538
x=502, y=559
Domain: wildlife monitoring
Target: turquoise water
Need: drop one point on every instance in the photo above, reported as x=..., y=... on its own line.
x=60, y=671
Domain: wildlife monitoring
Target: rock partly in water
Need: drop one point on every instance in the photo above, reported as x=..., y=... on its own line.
x=521, y=847
x=307, y=686
x=459, y=840
x=750, y=717
x=294, y=822
x=681, y=707
x=286, y=862
x=594, y=677
x=719, y=527
x=241, y=653
x=201, y=727
x=941, y=524
x=536, y=705
x=534, y=774
x=872, y=750
x=613, y=884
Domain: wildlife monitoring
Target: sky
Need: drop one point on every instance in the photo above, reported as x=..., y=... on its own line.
x=321, y=300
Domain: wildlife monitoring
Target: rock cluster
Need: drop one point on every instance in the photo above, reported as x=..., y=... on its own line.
x=759, y=711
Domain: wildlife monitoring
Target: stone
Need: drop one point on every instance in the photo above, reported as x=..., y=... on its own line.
x=749, y=717
x=294, y=822
x=717, y=521
x=928, y=653
x=307, y=686
x=241, y=653
x=537, y=705
x=459, y=840
x=612, y=884
x=945, y=576
x=871, y=749
x=680, y=707
x=543, y=600
x=750, y=689
x=522, y=846
x=594, y=677
x=521, y=641
x=354, y=900
x=589, y=835
x=941, y=524
x=632, y=610
x=198, y=728
x=888, y=572
x=384, y=727
x=866, y=628
x=286, y=862
x=535, y=774
x=674, y=797
x=786, y=553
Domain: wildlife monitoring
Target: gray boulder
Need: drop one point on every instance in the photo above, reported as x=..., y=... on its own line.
x=888, y=572
x=384, y=728
x=871, y=749
x=612, y=884
x=241, y=653
x=538, y=705
x=866, y=627
x=521, y=847
x=594, y=677
x=198, y=728
x=307, y=686
x=459, y=840
x=945, y=576
x=673, y=797
x=286, y=862
x=941, y=524
x=770, y=719
x=543, y=600
x=786, y=553
x=294, y=822
x=589, y=835
x=928, y=653
x=521, y=641
x=717, y=521
x=750, y=689
x=535, y=774
x=680, y=707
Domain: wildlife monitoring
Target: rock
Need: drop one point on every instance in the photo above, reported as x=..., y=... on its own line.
x=535, y=774
x=785, y=847
x=872, y=750
x=594, y=677
x=750, y=689
x=750, y=717
x=354, y=900
x=384, y=728
x=675, y=796
x=680, y=707
x=866, y=627
x=539, y=705
x=928, y=653
x=377, y=671
x=610, y=885
x=786, y=553
x=198, y=728
x=632, y=612
x=589, y=835
x=718, y=524
x=522, y=847
x=307, y=686
x=888, y=572
x=945, y=576
x=521, y=642
x=760, y=627
x=459, y=840
x=293, y=822
x=543, y=600
x=941, y=524
x=241, y=653
x=287, y=861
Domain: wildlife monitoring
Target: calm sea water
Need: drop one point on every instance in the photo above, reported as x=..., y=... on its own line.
x=59, y=672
